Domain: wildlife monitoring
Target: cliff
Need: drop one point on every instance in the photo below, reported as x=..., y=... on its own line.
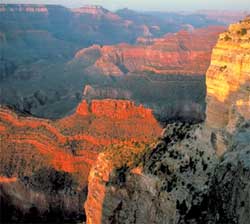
x=156, y=184
x=165, y=74
x=43, y=159
x=37, y=46
x=186, y=52
x=97, y=12
x=195, y=173
x=228, y=81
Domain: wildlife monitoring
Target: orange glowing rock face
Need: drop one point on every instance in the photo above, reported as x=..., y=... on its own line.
x=185, y=52
x=72, y=144
x=7, y=180
x=228, y=80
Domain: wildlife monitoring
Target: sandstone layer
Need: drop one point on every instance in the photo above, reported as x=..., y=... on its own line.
x=37, y=77
x=185, y=52
x=195, y=173
x=228, y=82
x=46, y=163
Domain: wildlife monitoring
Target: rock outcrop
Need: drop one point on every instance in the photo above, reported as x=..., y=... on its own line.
x=36, y=47
x=98, y=12
x=228, y=82
x=165, y=74
x=157, y=184
x=185, y=52
x=46, y=163
x=195, y=173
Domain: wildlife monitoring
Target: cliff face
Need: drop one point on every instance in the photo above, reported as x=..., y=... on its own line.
x=45, y=159
x=97, y=12
x=37, y=46
x=195, y=174
x=163, y=183
x=228, y=81
x=186, y=52
x=165, y=74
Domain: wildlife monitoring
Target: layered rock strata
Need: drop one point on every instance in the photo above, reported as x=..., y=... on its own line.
x=194, y=174
x=46, y=163
x=228, y=82
x=185, y=52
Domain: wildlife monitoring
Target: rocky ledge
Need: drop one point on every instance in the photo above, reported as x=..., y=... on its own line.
x=185, y=52
x=45, y=164
x=195, y=173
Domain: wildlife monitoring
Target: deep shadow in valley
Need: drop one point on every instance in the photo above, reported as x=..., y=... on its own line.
x=59, y=200
x=172, y=97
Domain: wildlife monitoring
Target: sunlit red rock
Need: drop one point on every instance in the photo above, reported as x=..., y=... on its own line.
x=185, y=52
x=92, y=127
x=228, y=83
x=228, y=79
x=69, y=145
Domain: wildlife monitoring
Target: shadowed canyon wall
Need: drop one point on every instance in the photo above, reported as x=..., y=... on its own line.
x=45, y=164
x=195, y=173
x=40, y=75
x=165, y=74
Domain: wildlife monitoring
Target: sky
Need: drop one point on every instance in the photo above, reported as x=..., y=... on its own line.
x=145, y=5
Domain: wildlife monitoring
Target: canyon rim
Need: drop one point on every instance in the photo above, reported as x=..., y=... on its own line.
x=124, y=117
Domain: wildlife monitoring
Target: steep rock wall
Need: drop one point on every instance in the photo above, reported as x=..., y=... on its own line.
x=228, y=83
x=48, y=162
x=186, y=52
x=195, y=174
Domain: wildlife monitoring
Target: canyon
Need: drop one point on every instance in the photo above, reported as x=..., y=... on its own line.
x=122, y=72
x=126, y=129
x=41, y=48
x=195, y=173
x=184, y=52
x=47, y=162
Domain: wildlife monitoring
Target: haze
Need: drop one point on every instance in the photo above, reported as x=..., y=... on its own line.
x=159, y=5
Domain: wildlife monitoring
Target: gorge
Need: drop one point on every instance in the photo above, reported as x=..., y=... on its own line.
x=126, y=129
x=195, y=173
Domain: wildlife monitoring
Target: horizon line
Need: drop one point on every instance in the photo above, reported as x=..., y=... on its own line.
x=136, y=10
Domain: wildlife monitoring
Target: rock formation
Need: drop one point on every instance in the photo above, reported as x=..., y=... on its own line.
x=229, y=122
x=158, y=184
x=186, y=52
x=98, y=12
x=165, y=74
x=195, y=173
x=46, y=163
x=228, y=82
x=36, y=48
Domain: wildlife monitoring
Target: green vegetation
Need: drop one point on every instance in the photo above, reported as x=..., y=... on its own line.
x=243, y=31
